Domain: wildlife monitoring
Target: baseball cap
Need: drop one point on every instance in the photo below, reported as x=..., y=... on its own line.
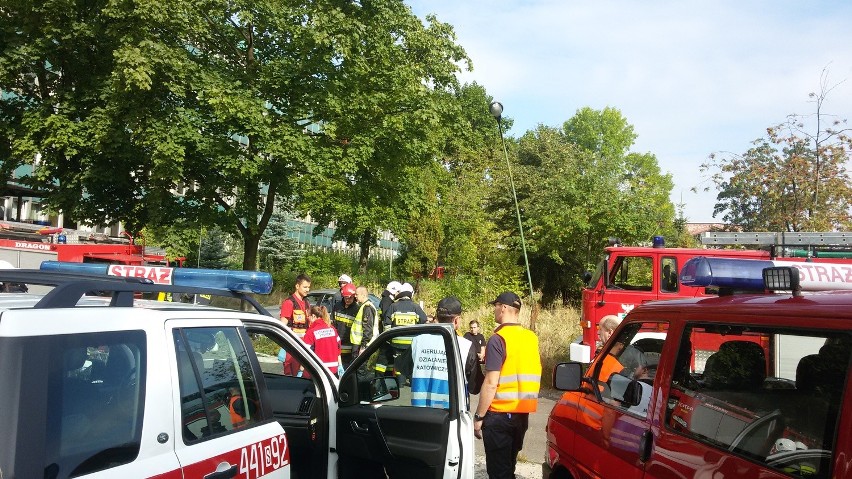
x=344, y=278
x=508, y=298
x=393, y=287
x=449, y=306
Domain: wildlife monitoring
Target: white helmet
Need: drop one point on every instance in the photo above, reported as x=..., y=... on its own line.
x=783, y=444
x=393, y=287
x=344, y=278
x=406, y=287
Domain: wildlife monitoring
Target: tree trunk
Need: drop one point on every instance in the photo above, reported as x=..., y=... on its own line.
x=250, y=247
x=367, y=240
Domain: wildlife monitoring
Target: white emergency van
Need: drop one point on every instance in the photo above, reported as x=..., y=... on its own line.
x=98, y=383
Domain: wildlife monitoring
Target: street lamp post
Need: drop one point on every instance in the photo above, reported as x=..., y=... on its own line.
x=496, y=109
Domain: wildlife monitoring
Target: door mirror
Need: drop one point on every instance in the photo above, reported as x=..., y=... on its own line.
x=568, y=376
x=383, y=389
x=587, y=276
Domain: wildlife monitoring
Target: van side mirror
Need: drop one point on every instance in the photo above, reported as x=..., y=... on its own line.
x=587, y=276
x=568, y=376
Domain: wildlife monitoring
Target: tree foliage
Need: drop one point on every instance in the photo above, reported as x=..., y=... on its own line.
x=277, y=246
x=232, y=104
x=579, y=185
x=392, y=108
x=455, y=228
x=213, y=253
x=793, y=179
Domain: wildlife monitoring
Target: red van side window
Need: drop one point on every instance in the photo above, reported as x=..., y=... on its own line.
x=772, y=397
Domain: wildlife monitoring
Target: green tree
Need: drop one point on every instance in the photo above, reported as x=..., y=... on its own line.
x=472, y=245
x=277, y=246
x=392, y=108
x=180, y=238
x=579, y=185
x=213, y=253
x=794, y=179
x=454, y=228
x=232, y=105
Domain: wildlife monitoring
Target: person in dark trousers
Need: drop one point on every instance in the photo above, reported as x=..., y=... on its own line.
x=475, y=336
x=363, y=326
x=403, y=312
x=510, y=390
x=449, y=310
x=384, y=361
x=342, y=319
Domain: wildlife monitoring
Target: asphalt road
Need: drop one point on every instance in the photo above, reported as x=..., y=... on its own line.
x=536, y=439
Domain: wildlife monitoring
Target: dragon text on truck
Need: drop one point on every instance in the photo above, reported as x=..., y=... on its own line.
x=24, y=245
x=629, y=276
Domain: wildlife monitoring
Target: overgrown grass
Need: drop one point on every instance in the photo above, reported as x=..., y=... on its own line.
x=555, y=327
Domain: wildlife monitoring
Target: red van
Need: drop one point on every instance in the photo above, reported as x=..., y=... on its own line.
x=771, y=400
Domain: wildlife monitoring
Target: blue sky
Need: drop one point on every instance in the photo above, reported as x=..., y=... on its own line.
x=693, y=78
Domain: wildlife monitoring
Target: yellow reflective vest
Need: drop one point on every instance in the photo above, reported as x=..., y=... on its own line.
x=520, y=377
x=356, y=334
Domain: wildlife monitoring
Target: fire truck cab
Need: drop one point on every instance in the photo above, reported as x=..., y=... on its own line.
x=766, y=394
x=627, y=276
x=24, y=245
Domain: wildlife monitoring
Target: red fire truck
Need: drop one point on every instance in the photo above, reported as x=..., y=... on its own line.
x=26, y=246
x=629, y=276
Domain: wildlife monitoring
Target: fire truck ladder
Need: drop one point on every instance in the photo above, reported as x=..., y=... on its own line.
x=777, y=239
x=823, y=244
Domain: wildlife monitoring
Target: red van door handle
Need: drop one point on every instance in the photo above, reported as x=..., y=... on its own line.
x=646, y=444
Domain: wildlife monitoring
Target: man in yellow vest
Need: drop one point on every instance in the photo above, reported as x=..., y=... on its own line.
x=364, y=325
x=510, y=390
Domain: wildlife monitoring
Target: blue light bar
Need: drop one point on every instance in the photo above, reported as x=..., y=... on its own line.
x=705, y=271
x=747, y=274
x=259, y=282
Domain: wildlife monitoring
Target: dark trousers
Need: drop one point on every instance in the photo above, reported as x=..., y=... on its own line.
x=347, y=358
x=402, y=365
x=503, y=437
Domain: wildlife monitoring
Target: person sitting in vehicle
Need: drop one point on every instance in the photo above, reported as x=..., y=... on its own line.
x=611, y=364
x=242, y=411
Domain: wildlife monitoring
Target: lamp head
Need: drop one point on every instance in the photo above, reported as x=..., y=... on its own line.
x=496, y=109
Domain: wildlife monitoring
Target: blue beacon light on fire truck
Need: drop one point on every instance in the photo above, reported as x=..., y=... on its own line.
x=259, y=282
x=748, y=274
x=703, y=271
